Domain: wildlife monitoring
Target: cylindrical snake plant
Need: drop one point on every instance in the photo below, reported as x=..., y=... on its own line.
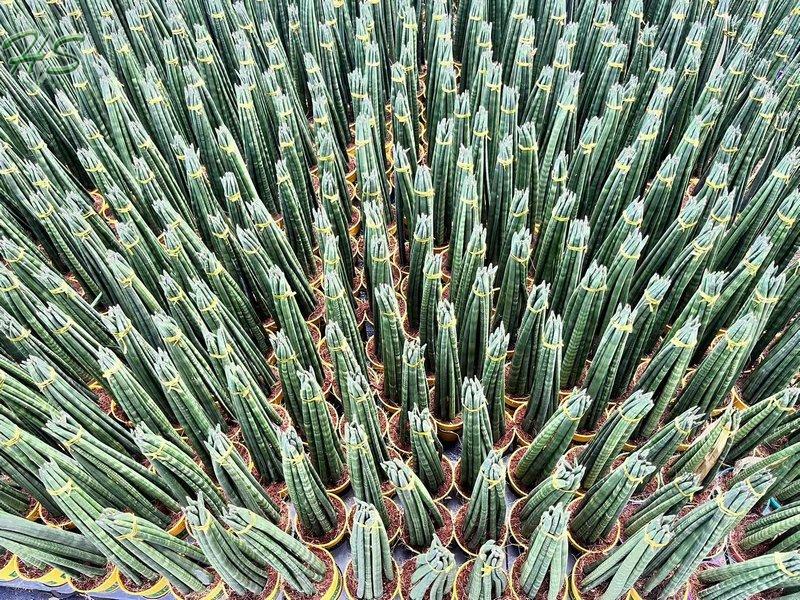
x=486, y=511
x=552, y=440
x=752, y=577
x=41, y=546
x=421, y=516
x=543, y=398
x=777, y=531
x=619, y=571
x=545, y=566
x=83, y=510
x=363, y=469
x=474, y=322
x=667, y=500
x=371, y=557
x=182, y=476
x=434, y=573
x=391, y=339
x=477, y=439
x=267, y=545
x=604, y=501
x=426, y=449
x=414, y=385
x=314, y=509
x=559, y=488
x=320, y=434
x=521, y=372
x=603, y=370
x=223, y=550
x=447, y=391
x=697, y=532
x=488, y=579
x=604, y=448
x=135, y=486
x=236, y=478
x=180, y=562
x=365, y=414
x=494, y=380
x=581, y=319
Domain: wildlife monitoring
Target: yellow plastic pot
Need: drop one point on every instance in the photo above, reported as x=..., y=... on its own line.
x=275, y=591
x=448, y=431
x=736, y=400
x=53, y=578
x=158, y=589
x=216, y=592
x=464, y=567
x=109, y=583
x=510, y=477
x=574, y=590
x=10, y=571
x=514, y=402
x=634, y=595
x=179, y=527
x=575, y=593
x=341, y=487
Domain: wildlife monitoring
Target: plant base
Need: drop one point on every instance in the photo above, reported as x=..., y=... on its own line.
x=449, y=477
x=503, y=444
x=334, y=537
x=328, y=588
x=147, y=589
x=395, y=519
x=338, y=487
x=215, y=591
x=601, y=546
x=391, y=588
x=270, y=591
x=516, y=588
x=523, y=437
x=735, y=550
x=458, y=533
x=444, y=533
x=519, y=488
x=464, y=493
x=461, y=584
x=406, y=572
x=383, y=423
x=515, y=523
x=106, y=582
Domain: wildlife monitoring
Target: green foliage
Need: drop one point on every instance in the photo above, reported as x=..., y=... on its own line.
x=486, y=510
x=545, y=566
x=180, y=562
x=421, y=516
x=487, y=579
x=315, y=511
x=371, y=557
x=267, y=545
x=434, y=574
x=41, y=546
